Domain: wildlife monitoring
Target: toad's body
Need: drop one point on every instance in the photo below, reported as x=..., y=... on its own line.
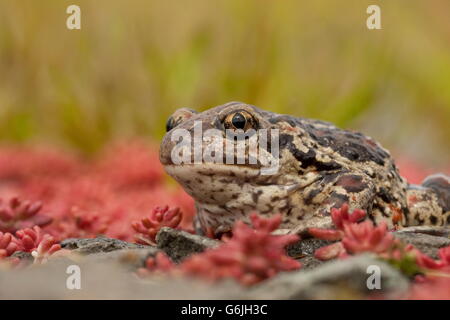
x=320, y=167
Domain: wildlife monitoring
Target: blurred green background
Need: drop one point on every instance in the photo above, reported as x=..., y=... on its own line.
x=134, y=62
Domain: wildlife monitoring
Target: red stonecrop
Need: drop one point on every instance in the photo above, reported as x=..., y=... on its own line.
x=444, y=259
x=8, y=245
x=434, y=283
x=442, y=265
x=88, y=197
x=16, y=214
x=160, y=217
x=250, y=256
x=340, y=217
x=130, y=165
x=29, y=238
x=355, y=237
x=32, y=240
x=46, y=247
x=365, y=237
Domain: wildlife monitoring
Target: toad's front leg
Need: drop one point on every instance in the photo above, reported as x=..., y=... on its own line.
x=335, y=189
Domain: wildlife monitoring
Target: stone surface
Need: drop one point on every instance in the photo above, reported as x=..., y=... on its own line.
x=340, y=279
x=23, y=255
x=305, y=247
x=103, y=276
x=432, y=231
x=104, y=281
x=303, y=251
x=179, y=245
x=97, y=245
x=309, y=262
x=108, y=271
x=426, y=243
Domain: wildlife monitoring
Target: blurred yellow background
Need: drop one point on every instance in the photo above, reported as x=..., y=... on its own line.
x=134, y=62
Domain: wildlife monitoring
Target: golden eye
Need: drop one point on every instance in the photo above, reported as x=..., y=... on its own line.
x=239, y=120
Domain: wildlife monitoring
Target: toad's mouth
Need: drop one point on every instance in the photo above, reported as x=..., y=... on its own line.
x=187, y=172
x=245, y=170
x=241, y=161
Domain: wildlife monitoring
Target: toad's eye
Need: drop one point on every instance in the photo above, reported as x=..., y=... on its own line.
x=240, y=120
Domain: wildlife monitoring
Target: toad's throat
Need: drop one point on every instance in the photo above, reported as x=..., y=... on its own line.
x=238, y=186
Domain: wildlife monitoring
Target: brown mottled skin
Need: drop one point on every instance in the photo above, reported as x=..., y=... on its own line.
x=321, y=166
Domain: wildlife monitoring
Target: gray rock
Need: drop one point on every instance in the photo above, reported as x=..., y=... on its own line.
x=426, y=243
x=309, y=262
x=97, y=245
x=339, y=279
x=303, y=251
x=179, y=245
x=25, y=256
x=430, y=230
x=305, y=247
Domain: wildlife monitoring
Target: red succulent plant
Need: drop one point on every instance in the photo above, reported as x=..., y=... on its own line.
x=250, y=256
x=35, y=241
x=159, y=217
x=32, y=240
x=441, y=265
x=46, y=247
x=16, y=214
x=8, y=244
x=354, y=237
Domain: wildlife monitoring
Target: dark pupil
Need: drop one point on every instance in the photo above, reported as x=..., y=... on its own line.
x=238, y=121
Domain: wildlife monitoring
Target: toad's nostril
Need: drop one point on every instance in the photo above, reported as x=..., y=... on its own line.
x=169, y=124
x=179, y=117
